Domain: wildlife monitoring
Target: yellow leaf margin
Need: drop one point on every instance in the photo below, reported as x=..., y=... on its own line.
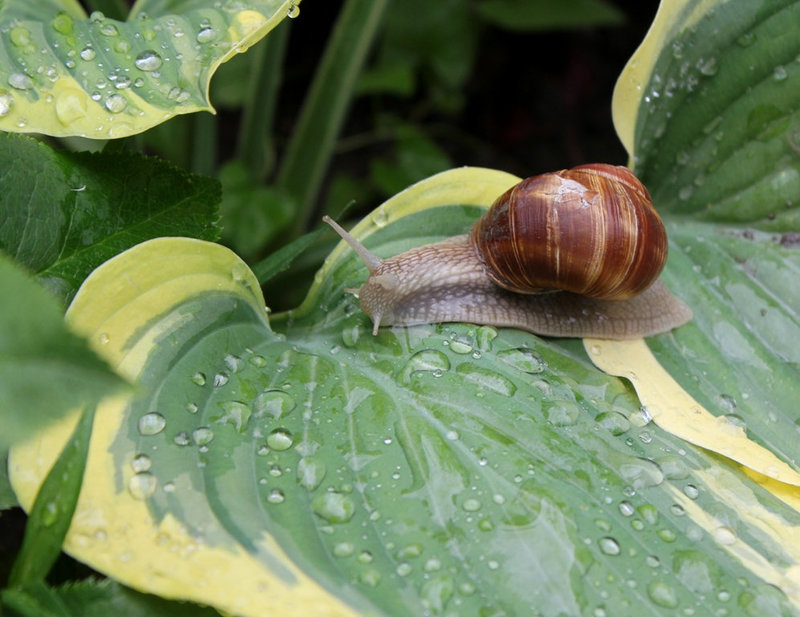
x=115, y=533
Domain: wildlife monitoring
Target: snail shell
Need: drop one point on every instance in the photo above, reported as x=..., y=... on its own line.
x=594, y=247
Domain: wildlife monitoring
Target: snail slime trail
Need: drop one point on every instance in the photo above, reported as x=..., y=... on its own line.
x=571, y=253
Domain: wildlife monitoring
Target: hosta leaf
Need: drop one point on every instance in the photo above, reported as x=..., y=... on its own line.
x=443, y=469
x=65, y=74
x=65, y=213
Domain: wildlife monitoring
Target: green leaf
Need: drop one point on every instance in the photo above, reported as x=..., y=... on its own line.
x=65, y=74
x=708, y=108
x=45, y=369
x=52, y=512
x=549, y=14
x=93, y=598
x=428, y=469
x=65, y=213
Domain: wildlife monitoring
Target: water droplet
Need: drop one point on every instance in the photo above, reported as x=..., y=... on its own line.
x=293, y=11
x=20, y=36
x=116, y=103
x=563, y=413
x=707, y=67
x=276, y=496
x=780, y=73
x=523, y=359
x=724, y=535
x=690, y=490
x=122, y=82
x=199, y=379
x=234, y=413
x=651, y=561
x=626, y=508
x=280, y=439
x=310, y=472
x=471, y=505
x=192, y=407
x=426, y=361
x=403, y=569
x=50, y=513
x=436, y=593
x=370, y=577
x=487, y=379
x=142, y=485
x=62, y=23
x=88, y=54
x=220, y=379
x=20, y=81
x=206, y=35
x=662, y=594
x=410, y=551
x=108, y=29
x=333, y=506
x=182, y=439
x=258, y=361
x=148, y=61
x=151, y=423
x=641, y=473
x=141, y=463
x=6, y=102
x=667, y=535
x=239, y=270
x=460, y=345
x=614, y=422
x=747, y=39
x=364, y=557
x=276, y=403
x=343, y=549
x=202, y=436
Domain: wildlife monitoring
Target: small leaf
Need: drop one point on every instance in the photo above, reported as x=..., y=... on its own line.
x=45, y=369
x=65, y=74
x=66, y=213
x=52, y=511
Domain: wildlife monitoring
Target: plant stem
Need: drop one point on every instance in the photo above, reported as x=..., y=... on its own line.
x=311, y=146
x=255, y=133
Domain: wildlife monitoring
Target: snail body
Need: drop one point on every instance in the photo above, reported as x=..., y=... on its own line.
x=574, y=253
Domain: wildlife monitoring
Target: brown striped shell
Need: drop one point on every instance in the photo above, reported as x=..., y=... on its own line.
x=591, y=230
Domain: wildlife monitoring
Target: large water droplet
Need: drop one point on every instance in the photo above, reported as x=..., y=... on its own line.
x=436, y=592
x=310, y=472
x=486, y=379
x=276, y=403
x=141, y=463
x=142, y=485
x=88, y=54
x=63, y=23
x=523, y=359
x=116, y=103
x=6, y=102
x=662, y=594
x=614, y=422
x=609, y=546
x=20, y=81
x=199, y=379
x=148, y=61
x=426, y=361
x=280, y=439
x=202, y=436
x=563, y=413
x=641, y=473
x=293, y=11
x=276, y=496
x=333, y=506
x=235, y=413
x=151, y=423
x=206, y=35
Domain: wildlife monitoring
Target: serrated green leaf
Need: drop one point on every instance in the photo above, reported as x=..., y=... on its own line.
x=65, y=213
x=45, y=369
x=65, y=74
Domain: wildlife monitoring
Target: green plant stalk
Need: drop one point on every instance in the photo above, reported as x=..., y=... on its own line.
x=311, y=146
x=255, y=145
x=204, y=144
x=51, y=514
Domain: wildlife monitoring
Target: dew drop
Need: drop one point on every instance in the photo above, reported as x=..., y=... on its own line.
x=343, y=549
x=614, y=422
x=280, y=439
x=151, y=423
x=523, y=359
x=370, y=577
x=234, y=413
x=6, y=102
x=202, y=436
x=563, y=413
x=88, y=54
x=436, y=593
x=108, y=29
x=662, y=594
x=293, y=12
x=116, y=103
x=724, y=535
x=275, y=403
x=142, y=485
x=148, y=61
x=310, y=472
x=471, y=505
x=333, y=507
x=20, y=81
x=276, y=496
x=220, y=379
x=199, y=379
x=50, y=513
x=426, y=361
x=63, y=23
x=626, y=508
x=258, y=361
x=486, y=379
x=780, y=73
x=141, y=463
x=484, y=337
x=206, y=35
x=403, y=569
x=182, y=439
x=690, y=490
x=364, y=557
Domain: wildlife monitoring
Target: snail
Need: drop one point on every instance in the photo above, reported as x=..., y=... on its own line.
x=571, y=253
